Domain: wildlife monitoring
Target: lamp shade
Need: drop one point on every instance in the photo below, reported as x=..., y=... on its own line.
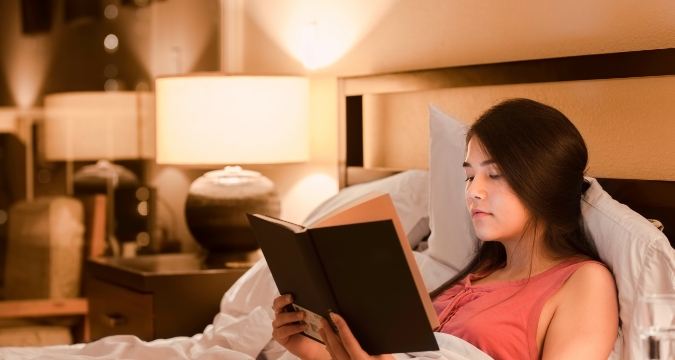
x=211, y=120
x=99, y=125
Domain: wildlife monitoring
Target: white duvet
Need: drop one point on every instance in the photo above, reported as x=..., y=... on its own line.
x=242, y=330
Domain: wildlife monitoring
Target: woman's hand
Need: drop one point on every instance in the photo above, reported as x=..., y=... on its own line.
x=344, y=347
x=288, y=335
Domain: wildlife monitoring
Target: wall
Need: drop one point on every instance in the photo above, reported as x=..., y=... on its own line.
x=395, y=35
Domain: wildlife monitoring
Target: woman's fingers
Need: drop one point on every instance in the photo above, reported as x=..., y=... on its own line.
x=280, y=302
x=283, y=324
x=348, y=340
x=334, y=342
x=322, y=333
x=282, y=334
x=286, y=318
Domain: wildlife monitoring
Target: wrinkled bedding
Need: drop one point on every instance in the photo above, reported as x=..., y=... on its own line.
x=231, y=338
x=242, y=330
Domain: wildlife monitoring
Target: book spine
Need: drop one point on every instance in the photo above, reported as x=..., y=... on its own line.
x=317, y=274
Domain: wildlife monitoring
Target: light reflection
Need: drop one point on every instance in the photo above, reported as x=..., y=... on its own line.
x=143, y=208
x=111, y=42
x=143, y=239
x=110, y=11
x=3, y=217
x=111, y=85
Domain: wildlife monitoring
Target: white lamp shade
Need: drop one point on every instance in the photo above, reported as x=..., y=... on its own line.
x=216, y=120
x=99, y=125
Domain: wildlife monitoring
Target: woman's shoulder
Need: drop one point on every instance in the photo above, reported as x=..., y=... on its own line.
x=590, y=286
x=586, y=315
x=591, y=276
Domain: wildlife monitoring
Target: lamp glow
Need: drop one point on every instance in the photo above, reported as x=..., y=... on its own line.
x=99, y=125
x=205, y=119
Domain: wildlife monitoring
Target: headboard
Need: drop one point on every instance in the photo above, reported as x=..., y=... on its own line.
x=653, y=199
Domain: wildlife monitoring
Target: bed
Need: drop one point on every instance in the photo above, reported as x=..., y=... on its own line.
x=383, y=131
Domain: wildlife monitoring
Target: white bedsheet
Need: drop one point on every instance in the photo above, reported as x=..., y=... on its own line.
x=229, y=338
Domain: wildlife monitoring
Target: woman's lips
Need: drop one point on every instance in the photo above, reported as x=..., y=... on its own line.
x=479, y=213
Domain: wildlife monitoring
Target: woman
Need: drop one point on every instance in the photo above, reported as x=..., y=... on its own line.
x=536, y=287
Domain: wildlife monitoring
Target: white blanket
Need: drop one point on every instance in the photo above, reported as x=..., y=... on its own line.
x=242, y=330
x=228, y=338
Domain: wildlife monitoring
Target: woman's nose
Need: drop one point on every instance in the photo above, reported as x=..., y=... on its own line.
x=476, y=189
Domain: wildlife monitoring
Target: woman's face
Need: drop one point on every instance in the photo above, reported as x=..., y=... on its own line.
x=496, y=212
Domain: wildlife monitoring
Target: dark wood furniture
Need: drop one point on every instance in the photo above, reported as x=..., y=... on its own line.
x=155, y=296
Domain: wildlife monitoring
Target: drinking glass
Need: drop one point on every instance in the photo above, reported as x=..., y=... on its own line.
x=656, y=322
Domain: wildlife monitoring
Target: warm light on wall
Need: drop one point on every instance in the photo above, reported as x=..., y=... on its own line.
x=310, y=42
x=329, y=29
x=219, y=119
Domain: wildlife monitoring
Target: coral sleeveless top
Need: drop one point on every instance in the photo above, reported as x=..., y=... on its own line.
x=501, y=318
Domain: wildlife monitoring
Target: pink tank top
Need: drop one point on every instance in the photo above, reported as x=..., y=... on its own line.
x=501, y=318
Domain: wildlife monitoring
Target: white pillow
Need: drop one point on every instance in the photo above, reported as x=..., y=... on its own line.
x=409, y=191
x=452, y=233
x=639, y=255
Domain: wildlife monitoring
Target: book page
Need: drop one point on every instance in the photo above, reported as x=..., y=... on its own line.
x=378, y=206
x=289, y=225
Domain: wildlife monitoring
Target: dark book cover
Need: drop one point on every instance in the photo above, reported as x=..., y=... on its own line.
x=359, y=271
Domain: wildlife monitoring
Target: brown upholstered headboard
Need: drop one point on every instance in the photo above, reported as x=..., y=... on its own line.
x=593, y=89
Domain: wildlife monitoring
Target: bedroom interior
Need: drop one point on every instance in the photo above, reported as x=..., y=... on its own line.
x=373, y=70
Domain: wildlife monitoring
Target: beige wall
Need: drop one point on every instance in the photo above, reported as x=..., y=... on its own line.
x=396, y=35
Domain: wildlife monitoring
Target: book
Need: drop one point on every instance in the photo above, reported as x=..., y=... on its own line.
x=355, y=261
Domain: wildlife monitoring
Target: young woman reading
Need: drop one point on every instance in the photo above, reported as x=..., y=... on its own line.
x=536, y=287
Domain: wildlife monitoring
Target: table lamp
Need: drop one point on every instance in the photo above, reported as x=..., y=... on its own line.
x=104, y=127
x=212, y=120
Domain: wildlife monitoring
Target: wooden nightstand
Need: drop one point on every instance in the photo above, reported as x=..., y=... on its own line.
x=154, y=297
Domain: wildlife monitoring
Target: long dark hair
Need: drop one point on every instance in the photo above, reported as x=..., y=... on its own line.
x=543, y=157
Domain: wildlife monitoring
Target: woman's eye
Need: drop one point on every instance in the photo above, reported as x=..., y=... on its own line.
x=469, y=178
x=494, y=176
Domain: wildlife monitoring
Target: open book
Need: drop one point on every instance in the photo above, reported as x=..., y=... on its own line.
x=355, y=261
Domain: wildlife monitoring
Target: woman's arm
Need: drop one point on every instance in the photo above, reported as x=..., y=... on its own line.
x=586, y=319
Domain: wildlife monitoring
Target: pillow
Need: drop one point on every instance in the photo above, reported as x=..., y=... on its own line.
x=409, y=191
x=452, y=234
x=639, y=255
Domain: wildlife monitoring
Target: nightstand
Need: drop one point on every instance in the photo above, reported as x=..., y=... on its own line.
x=154, y=296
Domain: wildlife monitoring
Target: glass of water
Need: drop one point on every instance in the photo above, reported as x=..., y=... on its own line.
x=656, y=322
